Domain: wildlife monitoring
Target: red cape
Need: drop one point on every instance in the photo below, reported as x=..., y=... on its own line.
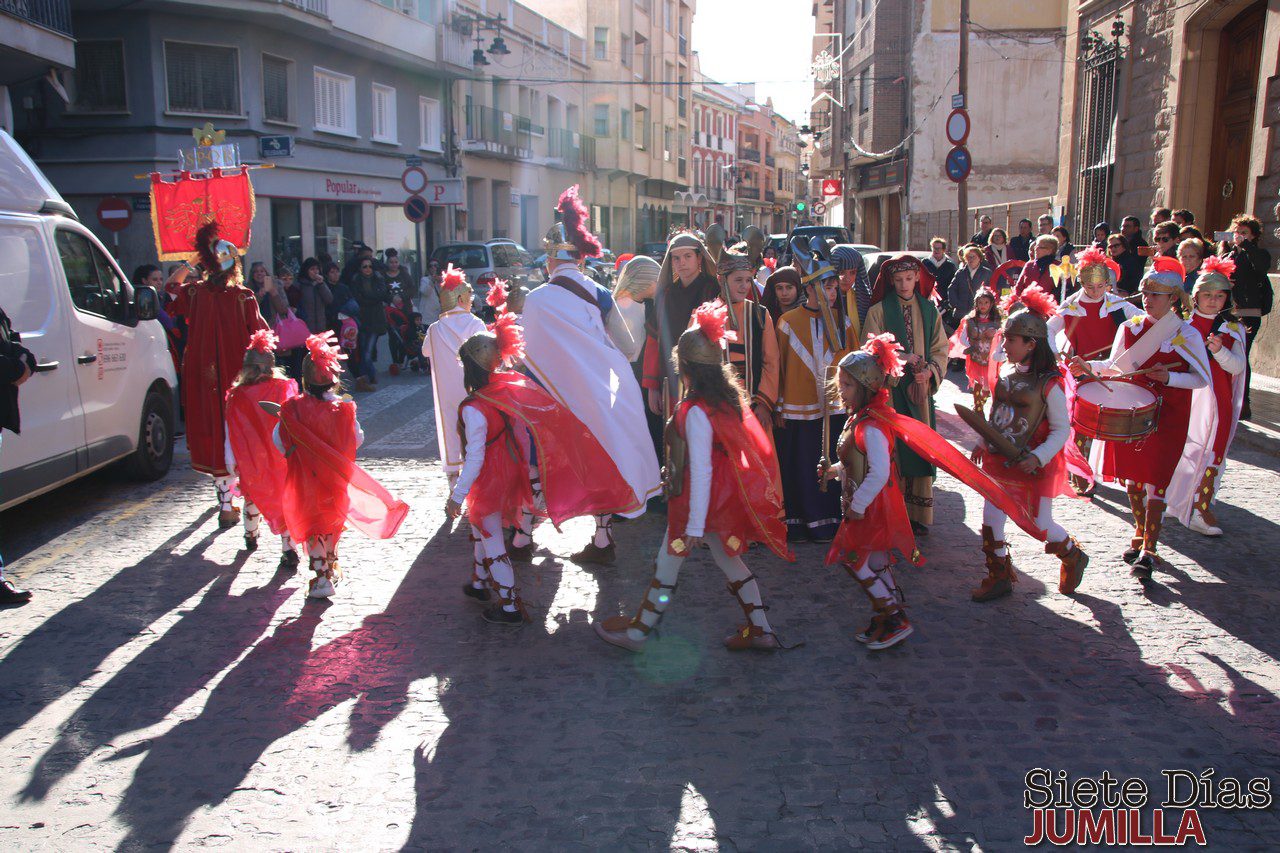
x=746, y=486
x=324, y=487
x=885, y=525
x=220, y=319
x=578, y=476
x=260, y=466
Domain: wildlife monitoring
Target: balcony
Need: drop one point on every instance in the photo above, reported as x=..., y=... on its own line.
x=315, y=7
x=573, y=150
x=768, y=195
x=751, y=154
x=769, y=160
x=715, y=193
x=751, y=193
x=34, y=35
x=51, y=14
x=490, y=131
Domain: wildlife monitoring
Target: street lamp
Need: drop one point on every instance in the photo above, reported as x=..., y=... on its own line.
x=475, y=25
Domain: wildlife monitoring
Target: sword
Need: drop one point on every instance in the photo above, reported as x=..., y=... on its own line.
x=996, y=440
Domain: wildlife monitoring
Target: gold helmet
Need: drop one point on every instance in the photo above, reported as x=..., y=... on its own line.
x=876, y=364
x=1095, y=267
x=1215, y=275
x=705, y=340
x=323, y=364
x=454, y=289
x=501, y=343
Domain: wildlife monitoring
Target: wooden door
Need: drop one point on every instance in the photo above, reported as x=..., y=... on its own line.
x=871, y=221
x=893, y=222
x=1239, y=61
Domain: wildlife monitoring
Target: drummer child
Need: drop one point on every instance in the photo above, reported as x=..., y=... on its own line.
x=1030, y=411
x=1166, y=355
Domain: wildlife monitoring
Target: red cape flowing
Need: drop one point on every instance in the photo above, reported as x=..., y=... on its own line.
x=937, y=451
x=578, y=476
x=1048, y=482
x=220, y=319
x=746, y=485
x=885, y=525
x=260, y=466
x=324, y=488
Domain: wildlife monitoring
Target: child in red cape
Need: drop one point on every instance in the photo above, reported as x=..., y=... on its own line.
x=1030, y=411
x=324, y=487
x=973, y=342
x=503, y=416
x=728, y=495
x=250, y=453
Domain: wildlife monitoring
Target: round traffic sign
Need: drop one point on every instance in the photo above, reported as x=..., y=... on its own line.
x=819, y=208
x=414, y=180
x=958, y=127
x=114, y=213
x=958, y=163
x=415, y=208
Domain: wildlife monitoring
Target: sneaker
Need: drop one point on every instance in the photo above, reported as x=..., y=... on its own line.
x=614, y=632
x=893, y=630
x=595, y=555
x=1204, y=528
x=321, y=587
x=479, y=594
x=288, y=563
x=250, y=543
x=864, y=637
x=10, y=594
x=498, y=615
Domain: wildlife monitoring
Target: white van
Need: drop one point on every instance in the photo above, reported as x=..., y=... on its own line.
x=104, y=389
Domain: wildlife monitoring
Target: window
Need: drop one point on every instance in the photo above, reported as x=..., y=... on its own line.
x=642, y=127
x=202, y=78
x=602, y=43
x=626, y=51
x=624, y=125
x=505, y=254
x=429, y=117
x=337, y=226
x=335, y=102
x=465, y=257
x=95, y=287
x=644, y=5
x=276, y=75
x=100, y=84
x=384, y=113
x=864, y=90
x=669, y=15
x=601, y=120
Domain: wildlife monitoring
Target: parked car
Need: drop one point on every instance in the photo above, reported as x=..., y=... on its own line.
x=657, y=251
x=104, y=386
x=486, y=261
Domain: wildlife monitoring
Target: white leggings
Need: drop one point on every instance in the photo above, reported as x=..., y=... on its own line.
x=667, y=572
x=492, y=550
x=994, y=517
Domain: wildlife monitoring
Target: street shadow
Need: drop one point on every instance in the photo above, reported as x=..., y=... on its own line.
x=204, y=641
x=70, y=645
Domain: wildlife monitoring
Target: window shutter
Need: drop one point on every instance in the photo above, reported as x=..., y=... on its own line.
x=275, y=89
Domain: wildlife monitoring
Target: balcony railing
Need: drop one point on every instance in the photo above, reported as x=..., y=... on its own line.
x=500, y=132
x=749, y=154
x=752, y=193
x=715, y=193
x=769, y=160
x=51, y=14
x=575, y=150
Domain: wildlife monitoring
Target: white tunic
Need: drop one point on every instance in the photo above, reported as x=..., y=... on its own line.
x=444, y=338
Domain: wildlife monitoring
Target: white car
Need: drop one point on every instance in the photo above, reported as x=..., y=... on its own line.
x=104, y=387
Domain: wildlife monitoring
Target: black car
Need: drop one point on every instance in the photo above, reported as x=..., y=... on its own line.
x=657, y=251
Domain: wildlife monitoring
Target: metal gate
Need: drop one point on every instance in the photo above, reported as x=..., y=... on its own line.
x=1099, y=92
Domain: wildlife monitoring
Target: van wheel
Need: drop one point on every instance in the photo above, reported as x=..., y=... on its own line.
x=154, y=455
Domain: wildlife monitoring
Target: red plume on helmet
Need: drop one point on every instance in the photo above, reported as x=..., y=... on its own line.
x=1039, y=301
x=206, y=246
x=574, y=214
x=325, y=355
x=1091, y=256
x=1164, y=263
x=263, y=340
x=1223, y=266
x=506, y=328
x=886, y=351
x=497, y=297
x=453, y=278
x=771, y=263
x=712, y=318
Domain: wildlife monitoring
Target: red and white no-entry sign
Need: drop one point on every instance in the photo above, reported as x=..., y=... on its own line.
x=114, y=213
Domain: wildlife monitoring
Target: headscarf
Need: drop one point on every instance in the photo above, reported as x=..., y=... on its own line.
x=901, y=263
x=770, y=298
x=844, y=258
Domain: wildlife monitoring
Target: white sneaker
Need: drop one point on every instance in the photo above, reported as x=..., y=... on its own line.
x=321, y=587
x=1199, y=525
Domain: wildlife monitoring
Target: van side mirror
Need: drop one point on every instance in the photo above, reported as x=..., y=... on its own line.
x=146, y=303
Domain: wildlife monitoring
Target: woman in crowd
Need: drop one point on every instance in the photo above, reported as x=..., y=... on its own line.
x=1065, y=248
x=997, y=248
x=971, y=278
x=314, y=297
x=1191, y=254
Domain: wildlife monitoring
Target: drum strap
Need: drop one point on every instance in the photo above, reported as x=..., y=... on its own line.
x=1133, y=357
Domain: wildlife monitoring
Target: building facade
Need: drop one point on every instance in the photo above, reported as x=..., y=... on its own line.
x=34, y=38
x=713, y=158
x=788, y=184
x=356, y=87
x=757, y=169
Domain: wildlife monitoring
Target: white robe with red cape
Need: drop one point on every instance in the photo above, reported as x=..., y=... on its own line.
x=569, y=352
x=444, y=337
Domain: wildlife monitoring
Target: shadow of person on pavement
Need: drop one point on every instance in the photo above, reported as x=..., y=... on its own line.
x=69, y=646
x=200, y=644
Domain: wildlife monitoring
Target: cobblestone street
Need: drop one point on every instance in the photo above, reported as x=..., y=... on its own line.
x=164, y=687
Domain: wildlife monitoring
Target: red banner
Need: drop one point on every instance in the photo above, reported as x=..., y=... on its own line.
x=179, y=207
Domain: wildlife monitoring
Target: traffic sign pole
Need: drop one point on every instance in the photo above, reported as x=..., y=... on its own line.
x=962, y=83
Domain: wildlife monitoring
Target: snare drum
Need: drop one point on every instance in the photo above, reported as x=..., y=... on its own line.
x=1117, y=411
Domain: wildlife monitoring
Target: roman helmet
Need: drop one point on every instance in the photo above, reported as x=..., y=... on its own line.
x=500, y=344
x=322, y=366
x=705, y=340
x=876, y=364
x=569, y=239
x=1215, y=275
x=453, y=288
x=1028, y=314
x=1096, y=267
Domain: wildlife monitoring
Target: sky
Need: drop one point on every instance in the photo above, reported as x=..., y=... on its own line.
x=768, y=42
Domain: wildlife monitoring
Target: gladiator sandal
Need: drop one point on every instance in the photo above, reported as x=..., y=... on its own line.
x=327, y=574
x=1138, y=504
x=1072, y=561
x=614, y=629
x=750, y=635
x=228, y=512
x=469, y=589
x=881, y=607
x=1203, y=521
x=1000, y=574
x=497, y=613
x=252, y=519
x=1145, y=565
x=595, y=554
